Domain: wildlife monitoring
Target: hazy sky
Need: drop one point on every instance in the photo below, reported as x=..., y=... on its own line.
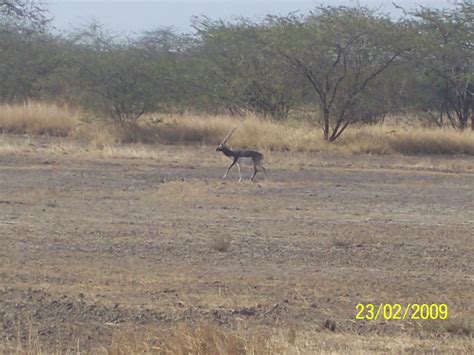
x=129, y=16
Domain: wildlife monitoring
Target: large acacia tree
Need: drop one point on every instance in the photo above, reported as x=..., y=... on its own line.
x=28, y=53
x=244, y=74
x=340, y=52
x=112, y=76
x=443, y=49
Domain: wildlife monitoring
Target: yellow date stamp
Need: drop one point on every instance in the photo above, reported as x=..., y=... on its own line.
x=396, y=311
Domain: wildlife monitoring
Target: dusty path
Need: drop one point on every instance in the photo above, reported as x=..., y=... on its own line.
x=92, y=245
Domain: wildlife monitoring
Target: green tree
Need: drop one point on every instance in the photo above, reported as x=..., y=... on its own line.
x=112, y=77
x=444, y=50
x=27, y=59
x=27, y=52
x=244, y=74
x=172, y=65
x=340, y=52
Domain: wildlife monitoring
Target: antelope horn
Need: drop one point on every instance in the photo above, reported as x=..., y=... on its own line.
x=228, y=136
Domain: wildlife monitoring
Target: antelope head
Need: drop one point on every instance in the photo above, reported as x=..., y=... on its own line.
x=222, y=145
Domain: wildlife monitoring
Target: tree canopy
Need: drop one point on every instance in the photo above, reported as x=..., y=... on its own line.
x=342, y=66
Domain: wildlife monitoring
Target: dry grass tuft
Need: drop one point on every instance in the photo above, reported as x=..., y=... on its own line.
x=220, y=243
x=101, y=135
x=37, y=118
x=380, y=140
x=203, y=338
x=252, y=132
x=128, y=133
x=30, y=343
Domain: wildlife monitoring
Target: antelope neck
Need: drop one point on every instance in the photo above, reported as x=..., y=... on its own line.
x=228, y=152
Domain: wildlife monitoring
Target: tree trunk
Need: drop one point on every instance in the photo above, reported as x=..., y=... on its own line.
x=326, y=124
x=337, y=131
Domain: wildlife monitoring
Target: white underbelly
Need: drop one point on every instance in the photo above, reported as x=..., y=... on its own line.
x=245, y=161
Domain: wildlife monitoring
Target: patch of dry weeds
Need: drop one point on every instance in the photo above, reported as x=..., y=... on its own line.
x=206, y=338
x=37, y=118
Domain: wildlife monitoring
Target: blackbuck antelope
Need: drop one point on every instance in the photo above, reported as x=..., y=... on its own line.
x=239, y=156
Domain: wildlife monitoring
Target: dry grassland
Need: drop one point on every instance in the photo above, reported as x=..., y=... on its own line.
x=37, y=118
x=145, y=249
x=52, y=120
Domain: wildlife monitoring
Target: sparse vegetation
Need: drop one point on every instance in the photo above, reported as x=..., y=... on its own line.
x=253, y=132
x=207, y=338
x=37, y=118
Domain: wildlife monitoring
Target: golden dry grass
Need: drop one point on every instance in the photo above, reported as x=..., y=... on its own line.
x=36, y=118
x=254, y=132
x=203, y=338
x=101, y=135
x=207, y=338
x=381, y=140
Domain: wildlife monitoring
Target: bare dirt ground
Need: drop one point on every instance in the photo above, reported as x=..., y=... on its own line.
x=91, y=247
